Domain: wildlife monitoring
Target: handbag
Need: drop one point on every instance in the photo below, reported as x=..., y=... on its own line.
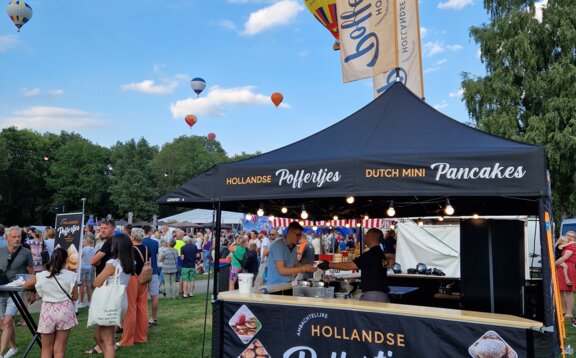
x=62, y=288
x=146, y=273
x=108, y=304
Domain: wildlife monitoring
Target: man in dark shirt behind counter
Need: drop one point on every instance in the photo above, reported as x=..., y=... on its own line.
x=373, y=268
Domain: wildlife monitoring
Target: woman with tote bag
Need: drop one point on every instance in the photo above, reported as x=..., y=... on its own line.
x=116, y=273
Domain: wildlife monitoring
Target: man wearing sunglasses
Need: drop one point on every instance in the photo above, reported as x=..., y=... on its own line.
x=282, y=260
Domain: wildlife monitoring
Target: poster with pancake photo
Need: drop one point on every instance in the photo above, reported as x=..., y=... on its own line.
x=491, y=345
x=69, y=235
x=245, y=324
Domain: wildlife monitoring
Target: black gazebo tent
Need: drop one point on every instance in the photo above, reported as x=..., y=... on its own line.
x=396, y=149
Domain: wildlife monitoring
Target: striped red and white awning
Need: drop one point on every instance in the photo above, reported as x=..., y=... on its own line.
x=284, y=222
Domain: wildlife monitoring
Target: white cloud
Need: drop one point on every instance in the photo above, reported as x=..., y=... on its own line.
x=432, y=48
x=51, y=119
x=278, y=14
x=148, y=86
x=441, y=105
x=436, y=66
x=227, y=24
x=219, y=99
x=538, y=7
x=8, y=42
x=304, y=54
x=454, y=4
x=423, y=31
x=37, y=92
x=458, y=93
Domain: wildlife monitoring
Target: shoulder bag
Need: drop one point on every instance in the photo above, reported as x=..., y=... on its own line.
x=62, y=288
x=108, y=304
x=146, y=273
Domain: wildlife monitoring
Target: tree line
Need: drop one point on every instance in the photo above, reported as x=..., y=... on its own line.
x=44, y=174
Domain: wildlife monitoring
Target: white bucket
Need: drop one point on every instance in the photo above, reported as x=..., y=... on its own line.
x=245, y=282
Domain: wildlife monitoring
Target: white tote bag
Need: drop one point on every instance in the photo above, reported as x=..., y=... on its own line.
x=108, y=304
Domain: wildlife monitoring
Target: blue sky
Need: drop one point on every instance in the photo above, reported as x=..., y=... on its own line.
x=121, y=70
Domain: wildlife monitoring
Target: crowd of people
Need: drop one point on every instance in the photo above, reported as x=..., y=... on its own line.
x=176, y=256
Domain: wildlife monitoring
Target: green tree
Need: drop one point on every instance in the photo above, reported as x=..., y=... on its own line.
x=23, y=193
x=184, y=158
x=528, y=92
x=80, y=169
x=132, y=186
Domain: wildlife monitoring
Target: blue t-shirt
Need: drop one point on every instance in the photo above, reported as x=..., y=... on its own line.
x=280, y=252
x=189, y=251
x=342, y=245
x=152, y=246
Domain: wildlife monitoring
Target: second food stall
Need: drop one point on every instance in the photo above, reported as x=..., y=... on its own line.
x=400, y=153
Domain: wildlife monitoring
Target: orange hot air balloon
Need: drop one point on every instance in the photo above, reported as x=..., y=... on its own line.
x=211, y=136
x=191, y=120
x=277, y=98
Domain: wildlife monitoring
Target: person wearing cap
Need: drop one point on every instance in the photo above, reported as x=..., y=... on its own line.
x=372, y=266
x=3, y=242
x=283, y=263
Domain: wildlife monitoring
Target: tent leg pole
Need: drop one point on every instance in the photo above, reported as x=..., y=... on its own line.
x=217, y=251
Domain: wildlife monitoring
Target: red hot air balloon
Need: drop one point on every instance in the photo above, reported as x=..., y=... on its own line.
x=276, y=98
x=211, y=136
x=191, y=120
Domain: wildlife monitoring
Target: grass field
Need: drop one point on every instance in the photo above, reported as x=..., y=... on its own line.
x=178, y=333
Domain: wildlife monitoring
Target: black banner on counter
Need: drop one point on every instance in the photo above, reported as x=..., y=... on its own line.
x=268, y=330
x=69, y=235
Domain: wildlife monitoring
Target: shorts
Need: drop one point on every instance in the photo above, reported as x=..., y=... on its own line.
x=188, y=274
x=154, y=286
x=57, y=316
x=86, y=275
x=234, y=273
x=8, y=307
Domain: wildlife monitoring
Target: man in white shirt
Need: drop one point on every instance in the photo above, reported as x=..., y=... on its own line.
x=316, y=245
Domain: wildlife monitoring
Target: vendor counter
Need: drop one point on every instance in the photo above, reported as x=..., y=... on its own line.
x=281, y=325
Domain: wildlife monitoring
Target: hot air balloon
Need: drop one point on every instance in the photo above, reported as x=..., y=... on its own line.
x=276, y=98
x=325, y=12
x=20, y=13
x=211, y=136
x=198, y=85
x=191, y=120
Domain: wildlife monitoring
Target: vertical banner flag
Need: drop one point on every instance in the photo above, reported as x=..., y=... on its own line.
x=410, y=57
x=69, y=235
x=366, y=30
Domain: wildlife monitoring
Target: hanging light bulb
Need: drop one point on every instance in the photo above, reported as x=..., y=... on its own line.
x=301, y=222
x=440, y=218
x=475, y=216
x=366, y=217
x=314, y=227
x=304, y=214
x=350, y=199
x=391, y=212
x=271, y=217
x=284, y=210
x=449, y=210
x=358, y=224
x=347, y=225
x=335, y=217
x=420, y=222
x=392, y=226
x=260, y=211
x=248, y=216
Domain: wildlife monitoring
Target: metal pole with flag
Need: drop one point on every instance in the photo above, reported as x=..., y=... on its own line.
x=409, y=69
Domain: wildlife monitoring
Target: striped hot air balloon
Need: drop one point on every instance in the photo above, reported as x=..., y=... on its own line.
x=198, y=84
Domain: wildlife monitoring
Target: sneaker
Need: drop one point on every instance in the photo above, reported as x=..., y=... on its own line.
x=11, y=352
x=151, y=322
x=185, y=296
x=573, y=321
